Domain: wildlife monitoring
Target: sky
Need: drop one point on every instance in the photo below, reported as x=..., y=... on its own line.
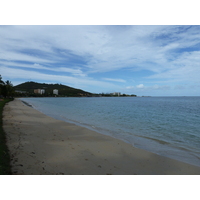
x=149, y=60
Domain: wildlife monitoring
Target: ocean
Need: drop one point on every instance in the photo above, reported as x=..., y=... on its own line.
x=167, y=126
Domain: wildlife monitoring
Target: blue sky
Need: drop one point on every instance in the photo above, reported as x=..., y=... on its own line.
x=143, y=60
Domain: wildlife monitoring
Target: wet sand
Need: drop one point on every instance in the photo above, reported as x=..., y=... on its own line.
x=39, y=144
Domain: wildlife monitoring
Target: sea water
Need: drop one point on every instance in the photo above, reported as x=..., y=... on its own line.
x=168, y=126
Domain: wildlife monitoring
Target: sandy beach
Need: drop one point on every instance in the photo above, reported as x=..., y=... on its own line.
x=41, y=145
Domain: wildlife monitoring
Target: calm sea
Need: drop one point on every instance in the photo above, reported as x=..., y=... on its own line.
x=168, y=126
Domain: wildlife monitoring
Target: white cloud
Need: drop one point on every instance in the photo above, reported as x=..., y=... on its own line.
x=115, y=80
x=10, y=55
x=106, y=48
x=185, y=68
x=76, y=72
x=148, y=88
x=8, y=73
x=140, y=86
x=170, y=53
x=130, y=87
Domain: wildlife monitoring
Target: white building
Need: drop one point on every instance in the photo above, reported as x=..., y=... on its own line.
x=117, y=93
x=55, y=91
x=39, y=91
x=42, y=91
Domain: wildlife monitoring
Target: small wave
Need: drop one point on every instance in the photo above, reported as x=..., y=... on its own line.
x=154, y=139
x=27, y=104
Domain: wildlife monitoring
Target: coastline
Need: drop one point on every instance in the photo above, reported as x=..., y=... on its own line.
x=39, y=144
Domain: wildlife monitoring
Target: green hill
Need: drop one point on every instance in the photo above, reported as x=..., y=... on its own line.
x=27, y=89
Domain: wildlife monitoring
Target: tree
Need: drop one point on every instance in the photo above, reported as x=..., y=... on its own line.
x=1, y=81
x=6, y=88
x=9, y=88
x=1, y=85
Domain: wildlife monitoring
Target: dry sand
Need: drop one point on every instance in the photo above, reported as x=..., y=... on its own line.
x=39, y=144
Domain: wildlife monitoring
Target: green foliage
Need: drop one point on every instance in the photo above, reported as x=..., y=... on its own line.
x=5, y=168
x=6, y=88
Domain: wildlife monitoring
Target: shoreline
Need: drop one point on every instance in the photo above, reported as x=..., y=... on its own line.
x=155, y=145
x=39, y=144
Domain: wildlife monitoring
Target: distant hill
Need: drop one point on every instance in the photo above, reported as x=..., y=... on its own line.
x=63, y=90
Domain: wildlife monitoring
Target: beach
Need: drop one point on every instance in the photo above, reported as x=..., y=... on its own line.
x=41, y=145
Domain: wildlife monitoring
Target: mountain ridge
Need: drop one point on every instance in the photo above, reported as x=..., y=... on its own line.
x=63, y=90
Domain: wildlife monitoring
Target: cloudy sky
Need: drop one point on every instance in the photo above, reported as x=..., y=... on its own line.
x=142, y=60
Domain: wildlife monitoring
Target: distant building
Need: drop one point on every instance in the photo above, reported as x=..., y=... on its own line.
x=19, y=91
x=55, y=91
x=116, y=93
x=42, y=91
x=39, y=91
x=36, y=91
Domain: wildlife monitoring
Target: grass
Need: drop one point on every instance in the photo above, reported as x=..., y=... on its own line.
x=5, y=168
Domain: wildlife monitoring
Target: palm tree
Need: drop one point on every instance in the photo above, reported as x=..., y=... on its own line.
x=9, y=88
x=1, y=82
x=1, y=85
x=6, y=88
